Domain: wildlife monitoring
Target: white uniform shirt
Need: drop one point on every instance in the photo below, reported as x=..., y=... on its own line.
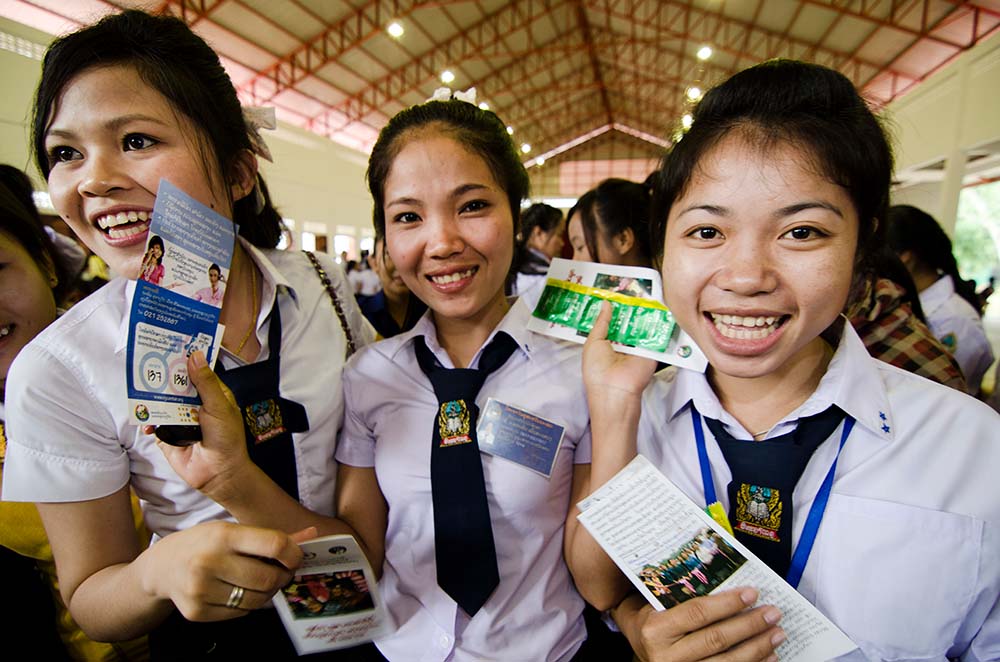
x=535, y=612
x=370, y=283
x=71, y=437
x=907, y=558
x=960, y=328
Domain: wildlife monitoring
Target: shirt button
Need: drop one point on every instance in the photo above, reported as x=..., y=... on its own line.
x=445, y=641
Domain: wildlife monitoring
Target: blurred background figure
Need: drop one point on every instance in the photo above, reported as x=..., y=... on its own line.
x=887, y=314
x=36, y=278
x=392, y=309
x=540, y=240
x=949, y=302
x=610, y=224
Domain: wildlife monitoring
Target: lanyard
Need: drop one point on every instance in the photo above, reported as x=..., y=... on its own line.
x=813, y=519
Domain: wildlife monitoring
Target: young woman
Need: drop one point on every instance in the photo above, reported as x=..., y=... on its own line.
x=213, y=294
x=950, y=303
x=610, y=224
x=121, y=105
x=447, y=184
x=540, y=240
x=766, y=214
x=152, y=263
x=392, y=309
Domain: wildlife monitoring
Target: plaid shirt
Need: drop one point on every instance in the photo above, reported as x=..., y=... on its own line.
x=892, y=333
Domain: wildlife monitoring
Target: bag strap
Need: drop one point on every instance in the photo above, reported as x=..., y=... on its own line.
x=328, y=284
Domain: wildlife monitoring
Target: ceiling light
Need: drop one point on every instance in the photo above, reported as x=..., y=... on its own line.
x=395, y=29
x=687, y=121
x=525, y=147
x=704, y=52
x=510, y=130
x=483, y=105
x=539, y=161
x=447, y=76
x=694, y=93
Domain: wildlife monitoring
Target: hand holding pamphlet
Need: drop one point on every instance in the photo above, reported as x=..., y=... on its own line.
x=333, y=601
x=672, y=551
x=640, y=323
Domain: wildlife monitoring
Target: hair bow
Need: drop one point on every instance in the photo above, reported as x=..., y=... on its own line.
x=257, y=118
x=446, y=94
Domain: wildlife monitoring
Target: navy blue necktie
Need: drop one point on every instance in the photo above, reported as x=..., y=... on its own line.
x=764, y=476
x=463, y=534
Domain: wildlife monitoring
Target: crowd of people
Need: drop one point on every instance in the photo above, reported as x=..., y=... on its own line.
x=841, y=383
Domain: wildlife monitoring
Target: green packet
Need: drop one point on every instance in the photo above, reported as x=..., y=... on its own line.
x=635, y=322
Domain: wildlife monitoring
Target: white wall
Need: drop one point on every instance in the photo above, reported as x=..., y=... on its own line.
x=312, y=180
x=953, y=111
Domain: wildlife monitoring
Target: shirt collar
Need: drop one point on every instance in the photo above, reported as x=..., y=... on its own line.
x=274, y=281
x=852, y=382
x=934, y=296
x=514, y=323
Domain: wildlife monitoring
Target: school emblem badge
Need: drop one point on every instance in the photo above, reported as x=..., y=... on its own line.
x=758, y=511
x=453, y=423
x=263, y=419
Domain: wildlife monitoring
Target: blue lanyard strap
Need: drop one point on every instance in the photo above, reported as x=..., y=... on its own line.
x=802, y=550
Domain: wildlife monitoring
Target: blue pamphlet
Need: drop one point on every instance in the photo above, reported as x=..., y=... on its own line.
x=176, y=306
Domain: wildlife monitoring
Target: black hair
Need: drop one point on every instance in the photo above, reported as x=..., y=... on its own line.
x=176, y=62
x=216, y=268
x=477, y=130
x=613, y=206
x=19, y=219
x=914, y=230
x=808, y=105
x=547, y=219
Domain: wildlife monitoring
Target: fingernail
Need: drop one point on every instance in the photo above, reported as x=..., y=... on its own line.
x=772, y=615
x=748, y=596
x=198, y=359
x=772, y=658
x=778, y=638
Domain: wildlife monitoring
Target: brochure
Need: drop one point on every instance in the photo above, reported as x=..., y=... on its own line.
x=640, y=323
x=672, y=551
x=333, y=601
x=176, y=305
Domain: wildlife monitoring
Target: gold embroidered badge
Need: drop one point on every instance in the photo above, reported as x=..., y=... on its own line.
x=453, y=423
x=758, y=511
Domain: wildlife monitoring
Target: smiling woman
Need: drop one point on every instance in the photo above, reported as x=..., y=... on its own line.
x=122, y=105
x=766, y=215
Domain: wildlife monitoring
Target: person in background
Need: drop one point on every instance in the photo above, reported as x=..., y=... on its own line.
x=369, y=281
x=121, y=105
x=34, y=281
x=766, y=216
x=887, y=315
x=393, y=309
x=610, y=224
x=949, y=302
x=540, y=240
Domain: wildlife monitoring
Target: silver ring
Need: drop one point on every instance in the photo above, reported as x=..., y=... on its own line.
x=235, y=598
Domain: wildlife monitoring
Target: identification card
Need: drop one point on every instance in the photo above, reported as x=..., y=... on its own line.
x=519, y=436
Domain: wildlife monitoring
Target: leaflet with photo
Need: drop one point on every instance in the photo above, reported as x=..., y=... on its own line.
x=175, y=306
x=333, y=600
x=672, y=551
x=640, y=322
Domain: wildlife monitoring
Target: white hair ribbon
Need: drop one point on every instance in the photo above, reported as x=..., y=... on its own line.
x=257, y=118
x=446, y=94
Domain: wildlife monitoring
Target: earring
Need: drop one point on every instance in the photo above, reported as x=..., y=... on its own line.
x=53, y=281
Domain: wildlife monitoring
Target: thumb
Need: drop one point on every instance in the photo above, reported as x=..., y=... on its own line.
x=305, y=534
x=601, y=324
x=215, y=396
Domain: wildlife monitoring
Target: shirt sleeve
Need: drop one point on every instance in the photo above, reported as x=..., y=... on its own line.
x=62, y=442
x=356, y=445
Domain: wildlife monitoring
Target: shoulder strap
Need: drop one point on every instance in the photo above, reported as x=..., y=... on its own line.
x=328, y=284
